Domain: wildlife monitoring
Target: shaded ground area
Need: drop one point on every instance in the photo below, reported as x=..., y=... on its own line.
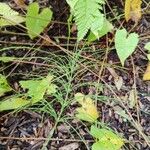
x=89, y=74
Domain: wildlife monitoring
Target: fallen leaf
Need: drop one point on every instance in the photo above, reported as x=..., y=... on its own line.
x=46, y=40
x=118, y=110
x=117, y=79
x=71, y=146
x=132, y=98
x=87, y=111
x=146, y=75
x=133, y=10
x=20, y=4
x=118, y=82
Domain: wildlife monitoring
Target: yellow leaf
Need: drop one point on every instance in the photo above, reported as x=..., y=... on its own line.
x=147, y=73
x=133, y=10
x=114, y=140
x=87, y=111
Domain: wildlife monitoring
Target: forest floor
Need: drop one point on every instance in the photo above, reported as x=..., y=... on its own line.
x=91, y=73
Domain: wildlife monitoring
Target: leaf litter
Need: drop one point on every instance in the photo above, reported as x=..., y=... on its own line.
x=28, y=124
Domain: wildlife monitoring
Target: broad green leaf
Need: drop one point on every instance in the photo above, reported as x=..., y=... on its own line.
x=107, y=27
x=35, y=21
x=8, y=16
x=125, y=45
x=107, y=140
x=96, y=132
x=87, y=111
x=100, y=145
x=4, y=86
x=13, y=103
x=36, y=91
x=147, y=46
x=38, y=88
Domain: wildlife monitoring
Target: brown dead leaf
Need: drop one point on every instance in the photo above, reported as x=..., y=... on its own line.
x=133, y=10
x=20, y=4
x=46, y=40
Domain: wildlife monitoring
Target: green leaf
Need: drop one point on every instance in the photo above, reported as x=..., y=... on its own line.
x=147, y=46
x=87, y=16
x=96, y=132
x=107, y=27
x=13, y=103
x=36, y=91
x=4, y=86
x=8, y=16
x=103, y=146
x=37, y=88
x=36, y=22
x=125, y=45
x=82, y=115
x=107, y=140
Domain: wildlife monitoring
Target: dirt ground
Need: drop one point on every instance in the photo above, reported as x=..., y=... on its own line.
x=29, y=128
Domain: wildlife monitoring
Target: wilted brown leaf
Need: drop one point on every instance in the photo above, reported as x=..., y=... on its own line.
x=20, y=3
